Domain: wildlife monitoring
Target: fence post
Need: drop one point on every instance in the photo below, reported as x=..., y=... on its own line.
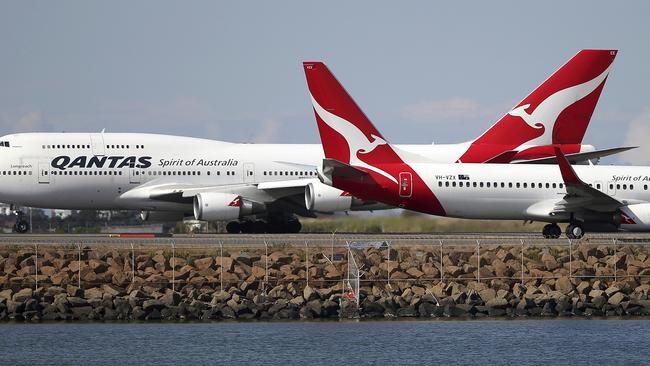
x=522, y=260
x=307, y=261
x=478, y=260
x=79, y=270
x=132, y=263
x=442, y=272
x=570, y=259
x=173, y=266
x=387, y=264
x=615, y=260
x=332, y=243
x=221, y=266
x=36, y=264
x=266, y=264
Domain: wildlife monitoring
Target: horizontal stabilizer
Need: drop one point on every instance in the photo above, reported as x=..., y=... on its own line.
x=335, y=168
x=578, y=157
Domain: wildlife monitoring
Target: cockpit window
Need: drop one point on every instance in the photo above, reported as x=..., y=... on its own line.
x=4, y=143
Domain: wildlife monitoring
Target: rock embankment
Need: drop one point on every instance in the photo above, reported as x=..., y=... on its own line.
x=107, y=284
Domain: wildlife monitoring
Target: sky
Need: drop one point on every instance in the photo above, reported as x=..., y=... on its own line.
x=423, y=71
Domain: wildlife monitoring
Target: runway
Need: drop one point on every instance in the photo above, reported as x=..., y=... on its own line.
x=317, y=239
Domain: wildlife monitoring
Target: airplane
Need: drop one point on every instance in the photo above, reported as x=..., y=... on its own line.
x=264, y=187
x=359, y=160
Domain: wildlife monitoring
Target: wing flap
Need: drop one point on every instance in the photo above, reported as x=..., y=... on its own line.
x=581, y=196
x=578, y=157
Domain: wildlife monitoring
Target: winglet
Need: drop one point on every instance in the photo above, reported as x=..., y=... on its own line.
x=568, y=174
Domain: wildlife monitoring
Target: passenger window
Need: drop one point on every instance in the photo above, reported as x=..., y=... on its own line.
x=460, y=184
x=618, y=186
x=645, y=187
x=547, y=185
x=474, y=184
x=453, y=184
x=439, y=184
x=561, y=185
x=554, y=185
x=518, y=184
x=481, y=184
x=488, y=184
x=446, y=184
x=631, y=186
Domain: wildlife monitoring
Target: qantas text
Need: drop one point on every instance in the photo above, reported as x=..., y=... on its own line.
x=65, y=162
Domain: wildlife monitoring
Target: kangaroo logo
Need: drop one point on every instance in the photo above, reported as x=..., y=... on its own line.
x=546, y=113
x=236, y=202
x=356, y=139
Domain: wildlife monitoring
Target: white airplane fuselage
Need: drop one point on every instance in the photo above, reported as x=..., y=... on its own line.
x=96, y=170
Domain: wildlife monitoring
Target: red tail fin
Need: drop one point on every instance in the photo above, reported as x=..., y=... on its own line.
x=342, y=124
x=557, y=112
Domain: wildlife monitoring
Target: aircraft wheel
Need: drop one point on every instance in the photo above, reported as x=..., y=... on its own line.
x=575, y=231
x=546, y=230
x=293, y=226
x=554, y=231
x=21, y=226
x=233, y=227
x=247, y=227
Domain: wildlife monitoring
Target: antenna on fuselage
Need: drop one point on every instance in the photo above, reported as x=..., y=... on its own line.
x=103, y=129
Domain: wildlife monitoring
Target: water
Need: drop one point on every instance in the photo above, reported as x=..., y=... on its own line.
x=490, y=342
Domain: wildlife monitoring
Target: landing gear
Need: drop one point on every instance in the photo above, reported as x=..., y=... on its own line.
x=291, y=225
x=233, y=227
x=575, y=231
x=21, y=226
x=551, y=231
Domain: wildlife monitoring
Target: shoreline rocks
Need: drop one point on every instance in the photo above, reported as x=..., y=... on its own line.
x=114, y=284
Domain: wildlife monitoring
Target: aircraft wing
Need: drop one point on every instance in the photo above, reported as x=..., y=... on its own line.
x=578, y=157
x=287, y=195
x=580, y=196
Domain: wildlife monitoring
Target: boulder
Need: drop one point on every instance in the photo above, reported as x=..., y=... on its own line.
x=617, y=298
x=564, y=285
x=413, y=272
x=93, y=293
x=6, y=295
x=279, y=258
x=170, y=298
x=309, y=294
x=22, y=295
x=203, y=263
x=227, y=263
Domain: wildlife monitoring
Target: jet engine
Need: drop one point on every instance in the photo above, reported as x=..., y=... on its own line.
x=320, y=197
x=635, y=217
x=213, y=206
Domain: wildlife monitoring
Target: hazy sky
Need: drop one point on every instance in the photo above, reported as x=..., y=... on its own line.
x=231, y=70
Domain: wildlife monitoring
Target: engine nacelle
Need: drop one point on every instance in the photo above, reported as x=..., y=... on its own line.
x=320, y=197
x=213, y=206
x=635, y=217
x=162, y=216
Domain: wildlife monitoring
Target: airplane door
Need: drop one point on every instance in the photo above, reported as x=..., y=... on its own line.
x=134, y=176
x=249, y=172
x=405, y=184
x=611, y=188
x=43, y=172
x=97, y=143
